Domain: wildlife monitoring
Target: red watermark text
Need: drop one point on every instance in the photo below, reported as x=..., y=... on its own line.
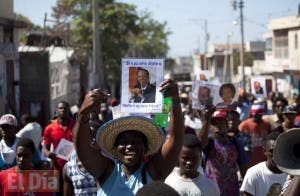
x=33, y=181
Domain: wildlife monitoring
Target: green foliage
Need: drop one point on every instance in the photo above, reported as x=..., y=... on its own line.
x=151, y=41
x=248, y=60
x=123, y=33
x=30, y=27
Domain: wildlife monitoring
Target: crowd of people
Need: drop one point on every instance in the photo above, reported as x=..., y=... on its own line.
x=225, y=149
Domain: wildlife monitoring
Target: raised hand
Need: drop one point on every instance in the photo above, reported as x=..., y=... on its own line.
x=93, y=100
x=169, y=88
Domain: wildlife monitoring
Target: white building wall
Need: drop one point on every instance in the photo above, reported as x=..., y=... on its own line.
x=294, y=49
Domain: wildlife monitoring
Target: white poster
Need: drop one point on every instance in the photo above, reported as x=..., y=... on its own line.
x=64, y=149
x=258, y=87
x=203, y=94
x=203, y=75
x=140, y=83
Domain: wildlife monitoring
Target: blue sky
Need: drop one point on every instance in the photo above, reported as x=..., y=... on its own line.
x=185, y=18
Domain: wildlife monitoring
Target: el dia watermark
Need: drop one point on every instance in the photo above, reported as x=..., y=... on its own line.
x=33, y=181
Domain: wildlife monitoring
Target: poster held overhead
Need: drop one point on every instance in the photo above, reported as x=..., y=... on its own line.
x=140, y=83
x=258, y=87
x=203, y=75
x=203, y=94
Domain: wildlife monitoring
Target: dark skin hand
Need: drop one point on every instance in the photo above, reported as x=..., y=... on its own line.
x=203, y=134
x=159, y=165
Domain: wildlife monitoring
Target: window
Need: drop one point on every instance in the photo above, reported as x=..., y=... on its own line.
x=8, y=34
x=269, y=44
x=281, y=44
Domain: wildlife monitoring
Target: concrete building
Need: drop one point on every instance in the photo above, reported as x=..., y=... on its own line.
x=219, y=54
x=48, y=75
x=282, y=54
x=9, y=60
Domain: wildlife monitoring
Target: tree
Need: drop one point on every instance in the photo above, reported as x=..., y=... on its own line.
x=30, y=26
x=123, y=32
x=248, y=60
x=151, y=41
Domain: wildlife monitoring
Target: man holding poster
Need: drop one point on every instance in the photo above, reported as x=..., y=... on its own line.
x=129, y=140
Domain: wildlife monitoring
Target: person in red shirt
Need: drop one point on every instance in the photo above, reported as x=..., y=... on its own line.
x=258, y=129
x=10, y=179
x=59, y=128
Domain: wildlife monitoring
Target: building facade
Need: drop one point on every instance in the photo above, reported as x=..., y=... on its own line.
x=282, y=57
x=9, y=60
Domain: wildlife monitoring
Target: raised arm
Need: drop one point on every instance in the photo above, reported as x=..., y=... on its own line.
x=164, y=162
x=92, y=160
x=203, y=133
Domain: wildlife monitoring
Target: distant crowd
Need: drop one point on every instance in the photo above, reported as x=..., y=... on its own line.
x=225, y=149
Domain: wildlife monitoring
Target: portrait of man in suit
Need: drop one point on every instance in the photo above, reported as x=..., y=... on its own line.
x=257, y=88
x=143, y=91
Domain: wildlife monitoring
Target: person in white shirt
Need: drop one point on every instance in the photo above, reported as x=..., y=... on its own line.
x=31, y=130
x=8, y=143
x=264, y=178
x=186, y=180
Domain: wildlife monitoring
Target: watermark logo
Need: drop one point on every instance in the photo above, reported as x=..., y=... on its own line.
x=33, y=181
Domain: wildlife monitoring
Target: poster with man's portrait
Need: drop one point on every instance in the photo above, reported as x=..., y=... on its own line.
x=258, y=87
x=140, y=83
x=203, y=75
x=203, y=94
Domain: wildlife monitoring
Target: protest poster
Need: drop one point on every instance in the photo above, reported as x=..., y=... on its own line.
x=140, y=83
x=258, y=87
x=222, y=102
x=64, y=149
x=203, y=75
x=203, y=94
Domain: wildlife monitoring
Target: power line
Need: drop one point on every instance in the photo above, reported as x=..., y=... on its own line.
x=256, y=23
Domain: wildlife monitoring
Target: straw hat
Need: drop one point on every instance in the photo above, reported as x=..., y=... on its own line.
x=108, y=133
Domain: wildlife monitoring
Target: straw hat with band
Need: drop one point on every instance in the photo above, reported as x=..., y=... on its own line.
x=108, y=133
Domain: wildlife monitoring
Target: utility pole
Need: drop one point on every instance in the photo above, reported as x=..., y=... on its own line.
x=206, y=38
x=44, y=31
x=97, y=51
x=231, y=57
x=227, y=59
x=240, y=4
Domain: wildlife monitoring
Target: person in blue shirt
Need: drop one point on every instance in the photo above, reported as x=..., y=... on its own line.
x=120, y=167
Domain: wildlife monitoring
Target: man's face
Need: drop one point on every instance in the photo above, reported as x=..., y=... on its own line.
x=8, y=132
x=63, y=110
x=220, y=126
x=227, y=95
x=233, y=121
x=24, y=158
x=189, y=160
x=143, y=77
x=257, y=117
x=269, y=149
x=256, y=85
x=131, y=148
x=278, y=107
